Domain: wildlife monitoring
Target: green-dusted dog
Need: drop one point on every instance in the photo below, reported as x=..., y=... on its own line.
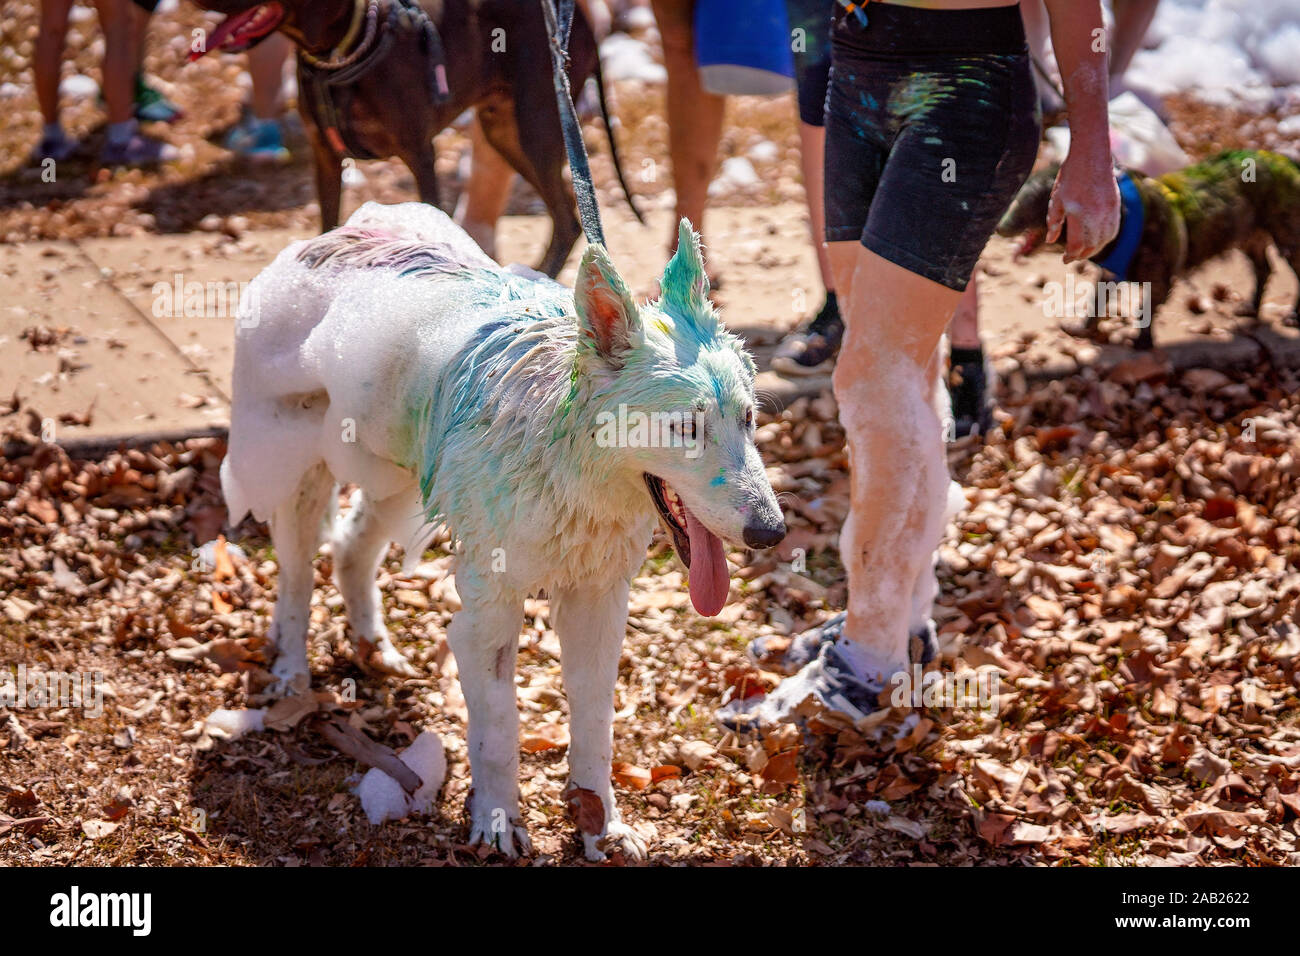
x=1240, y=199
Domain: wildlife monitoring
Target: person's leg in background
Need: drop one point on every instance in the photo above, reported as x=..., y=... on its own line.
x=259, y=135
x=968, y=376
x=811, y=349
x=149, y=103
x=46, y=65
x=1132, y=20
x=125, y=145
x=483, y=200
x=694, y=115
x=117, y=20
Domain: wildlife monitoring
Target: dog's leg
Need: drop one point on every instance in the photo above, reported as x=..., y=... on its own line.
x=540, y=162
x=421, y=164
x=329, y=179
x=1258, y=253
x=484, y=636
x=1292, y=256
x=590, y=627
x=1152, y=295
x=296, y=533
x=361, y=537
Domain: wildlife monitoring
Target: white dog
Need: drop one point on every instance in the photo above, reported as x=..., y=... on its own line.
x=545, y=427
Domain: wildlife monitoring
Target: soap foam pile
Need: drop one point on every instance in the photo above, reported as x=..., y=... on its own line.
x=382, y=797
x=1227, y=52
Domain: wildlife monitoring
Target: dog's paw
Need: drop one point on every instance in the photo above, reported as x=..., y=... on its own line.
x=618, y=838
x=291, y=677
x=509, y=838
x=382, y=656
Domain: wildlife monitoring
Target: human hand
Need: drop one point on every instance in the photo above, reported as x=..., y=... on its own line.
x=1085, y=203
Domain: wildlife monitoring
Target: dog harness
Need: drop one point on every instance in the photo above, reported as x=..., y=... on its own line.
x=328, y=80
x=1132, y=219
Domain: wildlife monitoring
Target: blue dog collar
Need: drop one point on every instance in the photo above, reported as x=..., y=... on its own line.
x=1132, y=220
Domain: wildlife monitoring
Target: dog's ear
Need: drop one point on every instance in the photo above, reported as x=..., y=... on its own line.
x=685, y=286
x=607, y=316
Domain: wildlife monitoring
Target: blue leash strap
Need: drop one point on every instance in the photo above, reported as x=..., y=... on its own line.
x=559, y=18
x=1132, y=222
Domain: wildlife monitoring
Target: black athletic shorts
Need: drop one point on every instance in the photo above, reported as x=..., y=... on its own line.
x=147, y=5
x=932, y=126
x=810, y=39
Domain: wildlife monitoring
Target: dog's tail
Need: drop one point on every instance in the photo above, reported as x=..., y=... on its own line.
x=609, y=132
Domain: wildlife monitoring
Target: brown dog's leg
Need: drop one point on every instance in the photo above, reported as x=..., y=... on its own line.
x=1292, y=256
x=421, y=164
x=329, y=180
x=542, y=164
x=1160, y=289
x=1257, y=250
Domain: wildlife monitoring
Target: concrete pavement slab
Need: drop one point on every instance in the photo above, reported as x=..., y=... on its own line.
x=115, y=320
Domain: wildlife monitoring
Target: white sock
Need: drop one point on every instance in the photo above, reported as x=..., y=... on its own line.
x=866, y=664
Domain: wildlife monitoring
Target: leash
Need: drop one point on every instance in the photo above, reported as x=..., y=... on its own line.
x=559, y=18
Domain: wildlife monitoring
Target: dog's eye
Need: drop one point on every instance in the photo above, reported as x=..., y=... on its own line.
x=749, y=417
x=688, y=427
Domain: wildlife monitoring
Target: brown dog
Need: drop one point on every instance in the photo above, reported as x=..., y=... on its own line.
x=380, y=78
x=1240, y=199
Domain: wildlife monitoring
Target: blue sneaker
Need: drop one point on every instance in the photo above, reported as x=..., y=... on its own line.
x=258, y=140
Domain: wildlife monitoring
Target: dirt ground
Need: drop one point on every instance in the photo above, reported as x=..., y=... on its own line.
x=1129, y=565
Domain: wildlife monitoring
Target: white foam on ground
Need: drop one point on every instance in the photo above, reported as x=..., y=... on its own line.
x=736, y=172
x=78, y=87
x=626, y=58
x=382, y=797
x=1230, y=52
x=233, y=724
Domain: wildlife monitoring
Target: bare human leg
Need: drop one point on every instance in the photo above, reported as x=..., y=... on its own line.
x=811, y=349
x=483, y=200
x=266, y=70
x=121, y=55
x=1132, y=20
x=49, y=56
x=892, y=403
x=812, y=160
x=694, y=116
x=884, y=385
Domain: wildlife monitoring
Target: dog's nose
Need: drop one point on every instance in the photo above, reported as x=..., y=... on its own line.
x=764, y=535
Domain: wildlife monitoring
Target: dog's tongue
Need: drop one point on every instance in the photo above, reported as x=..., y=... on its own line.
x=708, y=571
x=223, y=32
